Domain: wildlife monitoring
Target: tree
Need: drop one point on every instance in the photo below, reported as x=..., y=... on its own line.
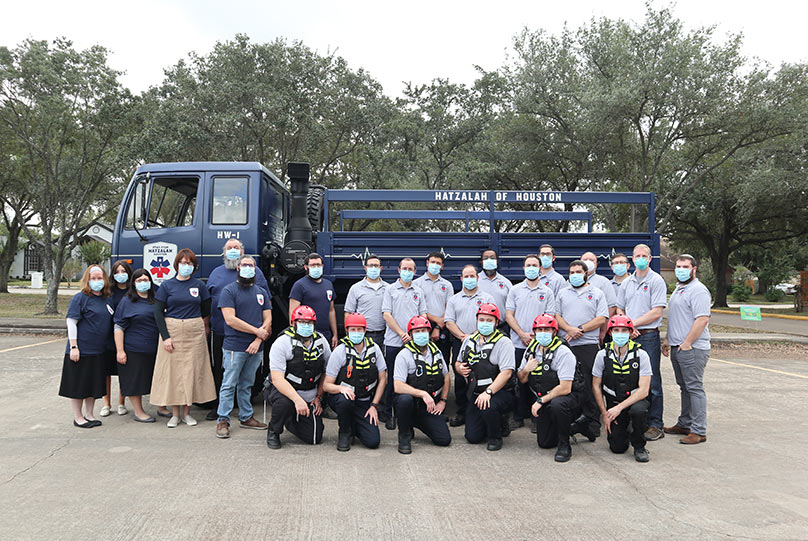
x=94, y=252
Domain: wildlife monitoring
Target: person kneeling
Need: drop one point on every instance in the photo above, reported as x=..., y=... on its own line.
x=421, y=384
x=296, y=362
x=622, y=374
x=355, y=374
x=551, y=372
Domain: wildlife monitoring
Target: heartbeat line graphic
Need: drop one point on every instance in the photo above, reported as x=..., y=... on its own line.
x=364, y=255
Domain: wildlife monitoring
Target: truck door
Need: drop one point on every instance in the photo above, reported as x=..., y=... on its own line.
x=233, y=213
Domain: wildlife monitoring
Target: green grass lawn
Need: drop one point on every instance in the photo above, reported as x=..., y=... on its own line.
x=29, y=305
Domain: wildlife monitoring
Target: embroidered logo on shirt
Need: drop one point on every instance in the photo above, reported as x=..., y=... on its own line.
x=443, y=288
x=260, y=298
x=415, y=297
x=541, y=297
x=330, y=294
x=589, y=297
x=645, y=287
x=110, y=310
x=479, y=302
x=501, y=285
x=194, y=291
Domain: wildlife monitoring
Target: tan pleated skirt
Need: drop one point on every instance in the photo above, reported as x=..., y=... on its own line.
x=183, y=377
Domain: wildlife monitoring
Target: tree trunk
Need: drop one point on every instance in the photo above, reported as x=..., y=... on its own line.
x=54, y=261
x=8, y=253
x=720, y=269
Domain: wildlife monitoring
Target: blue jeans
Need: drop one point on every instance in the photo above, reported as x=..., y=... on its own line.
x=239, y=375
x=651, y=345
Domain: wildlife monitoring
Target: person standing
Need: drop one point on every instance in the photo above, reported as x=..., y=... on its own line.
x=620, y=268
x=89, y=330
x=120, y=275
x=549, y=277
x=247, y=313
x=365, y=297
x=438, y=291
x=642, y=297
x=297, y=360
x=317, y=293
x=688, y=344
x=402, y=301
x=355, y=377
x=526, y=300
x=461, y=322
x=136, y=342
x=220, y=277
x=422, y=386
x=182, y=372
x=581, y=311
x=600, y=282
x=492, y=282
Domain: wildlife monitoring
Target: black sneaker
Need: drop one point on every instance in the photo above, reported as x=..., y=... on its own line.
x=514, y=424
x=458, y=420
x=494, y=444
x=273, y=440
x=563, y=453
x=328, y=413
x=404, y=444
x=583, y=428
x=534, y=428
x=212, y=415
x=344, y=441
x=505, y=426
x=390, y=424
x=641, y=455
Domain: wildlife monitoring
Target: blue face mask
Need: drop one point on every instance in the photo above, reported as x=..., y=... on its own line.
x=96, y=285
x=143, y=287
x=315, y=272
x=406, y=275
x=641, y=263
x=544, y=338
x=531, y=273
x=232, y=254
x=577, y=279
x=246, y=272
x=469, y=283
x=356, y=336
x=121, y=277
x=373, y=272
x=489, y=264
x=420, y=338
x=620, y=338
x=305, y=329
x=620, y=269
x=546, y=261
x=485, y=327
x=434, y=269
x=683, y=275
x=185, y=269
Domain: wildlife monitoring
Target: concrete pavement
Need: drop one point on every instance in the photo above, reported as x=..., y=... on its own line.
x=126, y=480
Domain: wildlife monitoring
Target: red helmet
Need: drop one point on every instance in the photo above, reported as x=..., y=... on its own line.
x=545, y=320
x=355, y=320
x=418, y=322
x=489, y=309
x=303, y=312
x=620, y=320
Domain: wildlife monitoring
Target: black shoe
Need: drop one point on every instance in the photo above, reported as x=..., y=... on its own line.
x=382, y=417
x=404, y=444
x=563, y=453
x=94, y=422
x=514, y=424
x=212, y=415
x=641, y=455
x=495, y=444
x=581, y=427
x=458, y=420
x=390, y=424
x=86, y=424
x=273, y=440
x=534, y=428
x=328, y=413
x=505, y=426
x=344, y=441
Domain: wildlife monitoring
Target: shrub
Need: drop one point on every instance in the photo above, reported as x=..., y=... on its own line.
x=774, y=295
x=741, y=293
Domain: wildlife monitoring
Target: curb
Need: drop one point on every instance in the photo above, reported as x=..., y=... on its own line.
x=33, y=330
x=763, y=314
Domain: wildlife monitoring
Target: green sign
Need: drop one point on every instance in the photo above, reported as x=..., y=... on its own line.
x=751, y=313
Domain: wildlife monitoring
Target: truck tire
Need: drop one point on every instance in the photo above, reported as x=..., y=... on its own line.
x=314, y=207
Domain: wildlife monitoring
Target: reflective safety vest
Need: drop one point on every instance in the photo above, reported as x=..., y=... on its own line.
x=360, y=375
x=620, y=380
x=543, y=378
x=476, y=356
x=427, y=377
x=306, y=366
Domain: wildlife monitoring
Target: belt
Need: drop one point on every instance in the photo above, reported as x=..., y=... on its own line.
x=648, y=331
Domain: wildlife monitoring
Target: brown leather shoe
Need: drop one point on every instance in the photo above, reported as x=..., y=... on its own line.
x=692, y=439
x=676, y=429
x=253, y=423
x=223, y=429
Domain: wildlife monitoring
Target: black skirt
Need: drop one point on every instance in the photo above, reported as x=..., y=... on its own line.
x=136, y=375
x=111, y=364
x=85, y=378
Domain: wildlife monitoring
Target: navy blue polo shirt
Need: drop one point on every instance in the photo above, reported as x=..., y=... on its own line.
x=136, y=318
x=219, y=278
x=94, y=316
x=250, y=302
x=318, y=297
x=183, y=298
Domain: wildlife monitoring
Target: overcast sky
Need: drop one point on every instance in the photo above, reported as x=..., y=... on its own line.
x=395, y=41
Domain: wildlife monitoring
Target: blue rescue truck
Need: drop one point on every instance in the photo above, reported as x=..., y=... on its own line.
x=199, y=205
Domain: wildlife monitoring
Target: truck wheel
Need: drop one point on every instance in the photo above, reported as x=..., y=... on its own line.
x=314, y=207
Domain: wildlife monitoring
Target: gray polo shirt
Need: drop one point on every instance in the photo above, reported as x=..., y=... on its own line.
x=497, y=286
x=405, y=364
x=364, y=298
x=615, y=287
x=603, y=283
x=637, y=296
x=403, y=303
x=502, y=354
x=553, y=280
x=281, y=351
x=688, y=302
x=526, y=303
x=339, y=358
x=645, y=363
x=462, y=309
x=578, y=306
x=438, y=292
x=563, y=363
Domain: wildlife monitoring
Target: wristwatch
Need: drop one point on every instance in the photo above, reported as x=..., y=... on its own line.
x=375, y=405
x=74, y=347
x=441, y=399
x=489, y=392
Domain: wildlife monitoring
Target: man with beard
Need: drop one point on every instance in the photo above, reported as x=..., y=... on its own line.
x=247, y=313
x=222, y=276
